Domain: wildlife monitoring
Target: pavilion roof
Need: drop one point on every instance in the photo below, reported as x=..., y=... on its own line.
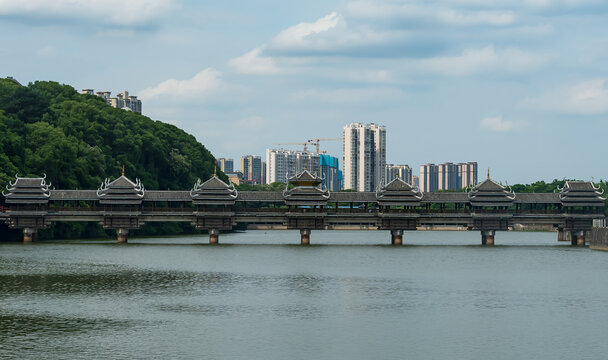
x=307, y=190
x=581, y=193
x=28, y=191
x=213, y=192
x=121, y=191
x=491, y=193
x=398, y=192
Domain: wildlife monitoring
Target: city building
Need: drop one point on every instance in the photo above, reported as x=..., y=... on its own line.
x=251, y=167
x=447, y=176
x=226, y=165
x=467, y=174
x=429, y=179
x=330, y=172
x=403, y=172
x=415, y=182
x=121, y=101
x=235, y=177
x=13, y=80
x=364, y=156
x=284, y=164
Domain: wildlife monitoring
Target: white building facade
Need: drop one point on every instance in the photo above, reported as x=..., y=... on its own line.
x=364, y=156
x=283, y=164
x=403, y=172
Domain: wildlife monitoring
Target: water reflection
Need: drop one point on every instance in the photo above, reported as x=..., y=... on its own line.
x=286, y=302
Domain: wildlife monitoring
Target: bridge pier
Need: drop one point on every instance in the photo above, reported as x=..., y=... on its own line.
x=396, y=237
x=122, y=235
x=305, y=236
x=578, y=238
x=487, y=237
x=564, y=235
x=214, y=236
x=29, y=235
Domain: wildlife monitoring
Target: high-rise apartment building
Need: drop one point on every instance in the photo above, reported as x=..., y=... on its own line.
x=121, y=101
x=467, y=174
x=429, y=179
x=330, y=171
x=447, y=176
x=226, y=165
x=415, y=182
x=251, y=167
x=404, y=172
x=364, y=156
x=283, y=164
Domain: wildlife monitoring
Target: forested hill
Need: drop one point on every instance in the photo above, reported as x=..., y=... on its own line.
x=78, y=140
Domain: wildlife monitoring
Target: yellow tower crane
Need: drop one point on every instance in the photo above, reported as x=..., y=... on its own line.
x=317, y=141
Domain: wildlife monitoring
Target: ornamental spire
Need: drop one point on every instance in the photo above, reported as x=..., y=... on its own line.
x=488, y=173
x=123, y=169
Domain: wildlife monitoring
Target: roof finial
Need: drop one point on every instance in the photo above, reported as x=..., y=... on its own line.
x=215, y=170
x=488, y=173
x=123, y=169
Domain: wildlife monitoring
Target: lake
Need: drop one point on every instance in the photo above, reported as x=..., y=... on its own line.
x=350, y=295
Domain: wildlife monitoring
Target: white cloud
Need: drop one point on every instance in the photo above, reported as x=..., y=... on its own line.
x=202, y=85
x=485, y=59
x=297, y=35
x=498, y=124
x=428, y=12
x=586, y=98
x=254, y=63
x=122, y=13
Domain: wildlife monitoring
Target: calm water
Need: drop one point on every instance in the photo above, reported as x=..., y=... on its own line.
x=439, y=297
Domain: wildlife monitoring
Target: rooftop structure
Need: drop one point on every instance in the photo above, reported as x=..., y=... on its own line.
x=121, y=191
x=398, y=193
x=213, y=192
x=581, y=193
x=28, y=191
x=307, y=190
x=490, y=193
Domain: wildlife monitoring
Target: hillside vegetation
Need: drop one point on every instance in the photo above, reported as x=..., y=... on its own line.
x=78, y=140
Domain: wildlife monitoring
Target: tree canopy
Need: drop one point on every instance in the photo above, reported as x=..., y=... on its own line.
x=78, y=140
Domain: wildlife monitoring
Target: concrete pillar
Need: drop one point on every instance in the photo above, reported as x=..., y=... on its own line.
x=214, y=237
x=561, y=235
x=578, y=238
x=396, y=237
x=121, y=235
x=305, y=236
x=29, y=235
x=487, y=237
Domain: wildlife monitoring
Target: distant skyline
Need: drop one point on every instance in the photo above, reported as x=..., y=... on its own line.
x=521, y=87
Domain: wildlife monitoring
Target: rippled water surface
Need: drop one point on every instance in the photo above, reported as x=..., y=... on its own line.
x=260, y=295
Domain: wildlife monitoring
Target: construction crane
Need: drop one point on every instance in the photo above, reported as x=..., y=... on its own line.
x=314, y=142
x=305, y=144
x=317, y=141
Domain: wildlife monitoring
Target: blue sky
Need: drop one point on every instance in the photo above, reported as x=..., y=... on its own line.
x=520, y=87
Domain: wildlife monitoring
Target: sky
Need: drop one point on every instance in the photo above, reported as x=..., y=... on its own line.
x=520, y=86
